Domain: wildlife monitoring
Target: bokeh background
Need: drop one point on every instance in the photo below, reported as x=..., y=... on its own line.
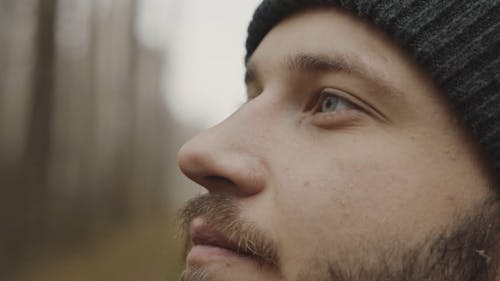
x=96, y=97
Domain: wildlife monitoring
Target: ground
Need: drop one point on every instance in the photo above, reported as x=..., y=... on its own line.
x=149, y=251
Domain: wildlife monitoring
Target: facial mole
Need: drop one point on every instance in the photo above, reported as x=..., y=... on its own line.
x=306, y=184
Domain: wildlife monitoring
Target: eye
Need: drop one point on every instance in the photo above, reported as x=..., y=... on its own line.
x=333, y=108
x=331, y=102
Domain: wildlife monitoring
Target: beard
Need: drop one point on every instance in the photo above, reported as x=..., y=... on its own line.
x=466, y=250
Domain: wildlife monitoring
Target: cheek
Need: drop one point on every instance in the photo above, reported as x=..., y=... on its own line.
x=361, y=193
x=311, y=207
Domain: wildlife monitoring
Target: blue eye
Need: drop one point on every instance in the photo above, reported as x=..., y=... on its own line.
x=332, y=103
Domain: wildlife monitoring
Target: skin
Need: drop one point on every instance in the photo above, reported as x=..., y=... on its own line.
x=383, y=173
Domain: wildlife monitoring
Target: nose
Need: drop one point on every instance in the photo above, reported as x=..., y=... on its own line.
x=225, y=160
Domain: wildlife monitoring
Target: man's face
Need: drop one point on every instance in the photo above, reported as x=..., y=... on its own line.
x=345, y=161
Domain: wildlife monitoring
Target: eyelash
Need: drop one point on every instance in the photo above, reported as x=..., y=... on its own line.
x=316, y=103
x=325, y=119
x=325, y=95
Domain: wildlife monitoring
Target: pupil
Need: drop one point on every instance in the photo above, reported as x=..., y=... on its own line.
x=329, y=104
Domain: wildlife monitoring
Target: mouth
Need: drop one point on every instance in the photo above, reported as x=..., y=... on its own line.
x=210, y=245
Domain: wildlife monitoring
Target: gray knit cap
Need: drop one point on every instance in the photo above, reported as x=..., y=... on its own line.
x=456, y=41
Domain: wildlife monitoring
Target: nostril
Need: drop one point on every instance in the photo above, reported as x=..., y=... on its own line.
x=218, y=180
x=220, y=170
x=220, y=184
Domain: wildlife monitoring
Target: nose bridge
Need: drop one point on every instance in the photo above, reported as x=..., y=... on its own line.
x=243, y=132
x=246, y=126
x=229, y=157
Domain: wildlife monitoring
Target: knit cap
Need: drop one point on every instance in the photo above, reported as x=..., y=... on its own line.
x=456, y=41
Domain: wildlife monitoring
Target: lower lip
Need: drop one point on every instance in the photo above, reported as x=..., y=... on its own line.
x=201, y=254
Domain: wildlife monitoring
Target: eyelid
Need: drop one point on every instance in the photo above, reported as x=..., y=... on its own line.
x=315, y=103
x=350, y=98
x=347, y=104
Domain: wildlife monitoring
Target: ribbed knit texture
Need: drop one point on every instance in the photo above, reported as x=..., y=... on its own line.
x=457, y=41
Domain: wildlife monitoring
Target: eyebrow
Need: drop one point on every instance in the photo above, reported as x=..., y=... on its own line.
x=320, y=64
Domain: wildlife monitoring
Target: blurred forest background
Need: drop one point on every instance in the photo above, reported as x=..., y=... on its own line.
x=88, y=178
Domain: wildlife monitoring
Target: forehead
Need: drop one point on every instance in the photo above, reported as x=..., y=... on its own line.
x=334, y=32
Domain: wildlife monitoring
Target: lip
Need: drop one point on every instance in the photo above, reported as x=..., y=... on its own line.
x=210, y=245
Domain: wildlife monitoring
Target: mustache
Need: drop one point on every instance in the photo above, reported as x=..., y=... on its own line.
x=222, y=214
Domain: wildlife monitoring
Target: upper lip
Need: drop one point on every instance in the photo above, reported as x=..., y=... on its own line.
x=203, y=234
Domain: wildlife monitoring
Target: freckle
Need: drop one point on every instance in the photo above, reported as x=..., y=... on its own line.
x=306, y=183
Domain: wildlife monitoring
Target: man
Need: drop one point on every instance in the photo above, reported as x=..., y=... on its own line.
x=369, y=148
